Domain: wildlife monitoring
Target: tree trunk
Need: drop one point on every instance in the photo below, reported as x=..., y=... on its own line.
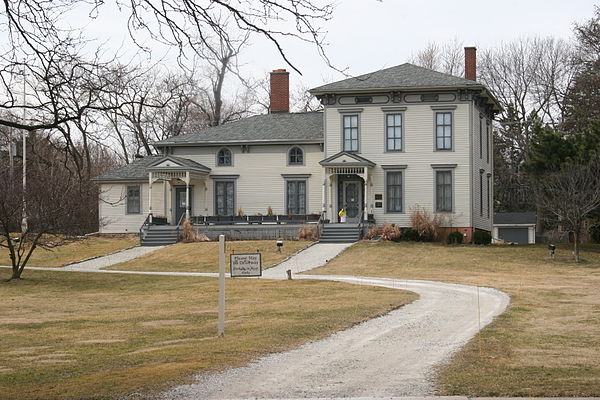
x=576, y=245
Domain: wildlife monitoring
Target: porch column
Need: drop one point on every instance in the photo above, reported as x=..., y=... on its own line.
x=165, y=197
x=324, y=208
x=187, y=194
x=205, y=196
x=366, y=196
x=150, y=196
x=334, y=215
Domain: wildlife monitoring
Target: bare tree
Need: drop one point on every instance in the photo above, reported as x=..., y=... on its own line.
x=447, y=58
x=56, y=202
x=571, y=195
x=50, y=54
x=303, y=101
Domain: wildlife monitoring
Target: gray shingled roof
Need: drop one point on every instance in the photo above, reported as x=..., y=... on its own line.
x=138, y=169
x=278, y=127
x=402, y=76
x=515, y=218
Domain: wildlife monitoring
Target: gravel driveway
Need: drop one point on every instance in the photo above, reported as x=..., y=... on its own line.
x=393, y=355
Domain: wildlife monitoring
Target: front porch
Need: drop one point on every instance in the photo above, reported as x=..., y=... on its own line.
x=346, y=186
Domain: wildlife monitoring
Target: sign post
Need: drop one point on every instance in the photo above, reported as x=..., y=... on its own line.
x=221, y=329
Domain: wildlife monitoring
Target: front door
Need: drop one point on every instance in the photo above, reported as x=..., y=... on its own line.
x=180, y=203
x=351, y=200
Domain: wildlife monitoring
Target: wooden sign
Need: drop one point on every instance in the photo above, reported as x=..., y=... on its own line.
x=245, y=265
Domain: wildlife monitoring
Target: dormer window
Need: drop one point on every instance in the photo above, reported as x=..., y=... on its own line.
x=296, y=156
x=224, y=158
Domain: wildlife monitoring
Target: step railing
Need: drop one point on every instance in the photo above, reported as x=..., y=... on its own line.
x=145, y=226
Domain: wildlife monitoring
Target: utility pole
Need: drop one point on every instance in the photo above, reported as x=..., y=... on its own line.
x=24, y=213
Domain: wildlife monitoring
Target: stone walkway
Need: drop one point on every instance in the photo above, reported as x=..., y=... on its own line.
x=95, y=264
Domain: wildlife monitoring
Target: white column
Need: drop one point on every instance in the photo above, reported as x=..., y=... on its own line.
x=150, y=195
x=206, y=196
x=334, y=215
x=324, y=208
x=366, y=197
x=164, y=197
x=187, y=194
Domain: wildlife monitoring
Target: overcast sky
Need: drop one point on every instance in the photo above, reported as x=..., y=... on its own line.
x=367, y=35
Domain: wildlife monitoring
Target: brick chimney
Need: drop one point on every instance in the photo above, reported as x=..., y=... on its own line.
x=280, y=91
x=471, y=63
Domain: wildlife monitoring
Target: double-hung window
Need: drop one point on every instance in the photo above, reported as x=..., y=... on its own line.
x=350, y=132
x=443, y=130
x=393, y=132
x=443, y=191
x=225, y=197
x=296, y=196
x=393, y=189
x=133, y=200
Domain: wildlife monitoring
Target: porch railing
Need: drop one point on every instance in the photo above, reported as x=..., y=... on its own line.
x=255, y=219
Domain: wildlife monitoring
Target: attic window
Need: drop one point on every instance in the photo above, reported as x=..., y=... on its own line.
x=363, y=99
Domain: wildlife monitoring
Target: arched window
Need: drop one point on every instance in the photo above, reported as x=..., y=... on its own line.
x=224, y=158
x=296, y=156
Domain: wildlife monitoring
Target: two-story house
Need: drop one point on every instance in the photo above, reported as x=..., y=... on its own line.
x=384, y=143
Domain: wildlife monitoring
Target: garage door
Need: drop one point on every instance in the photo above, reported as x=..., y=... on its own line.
x=517, y=235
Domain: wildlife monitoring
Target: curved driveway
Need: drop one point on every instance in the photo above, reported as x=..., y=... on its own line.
x=389, y=356
x=393, y=355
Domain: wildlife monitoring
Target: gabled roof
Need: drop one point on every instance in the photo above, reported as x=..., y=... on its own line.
x=402, y=76
x=268, y=128
x=346, y=159
x=138, y=169
x=516, y=218
x=172, y=163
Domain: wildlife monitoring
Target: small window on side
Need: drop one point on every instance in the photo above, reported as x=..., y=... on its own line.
x=296, y=156
x=224, y=158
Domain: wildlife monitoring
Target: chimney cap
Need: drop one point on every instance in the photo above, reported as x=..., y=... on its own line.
x=280, y=71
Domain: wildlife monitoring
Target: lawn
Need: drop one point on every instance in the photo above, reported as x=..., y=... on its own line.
x=74, y=250
x=204, y=256
x=98, y=336
x=548, y=341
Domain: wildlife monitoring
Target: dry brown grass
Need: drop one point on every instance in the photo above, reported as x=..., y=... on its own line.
x=548, y=341
x=75, y=250
x=203, y=257
x=98, y=336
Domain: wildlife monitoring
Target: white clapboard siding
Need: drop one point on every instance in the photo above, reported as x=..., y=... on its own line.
x=260, y=183
x=112, y=209
x=418, y=155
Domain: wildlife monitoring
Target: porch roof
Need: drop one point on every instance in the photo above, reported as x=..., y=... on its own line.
x=346, y=159
x=137, y=171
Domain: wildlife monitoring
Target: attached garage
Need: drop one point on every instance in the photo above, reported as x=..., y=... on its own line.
x=514, y=227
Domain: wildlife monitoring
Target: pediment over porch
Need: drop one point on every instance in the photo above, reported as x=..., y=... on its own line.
x=346, y=159
x=172, y=167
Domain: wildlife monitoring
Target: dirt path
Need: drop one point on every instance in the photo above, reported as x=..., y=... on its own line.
x=393, y=355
